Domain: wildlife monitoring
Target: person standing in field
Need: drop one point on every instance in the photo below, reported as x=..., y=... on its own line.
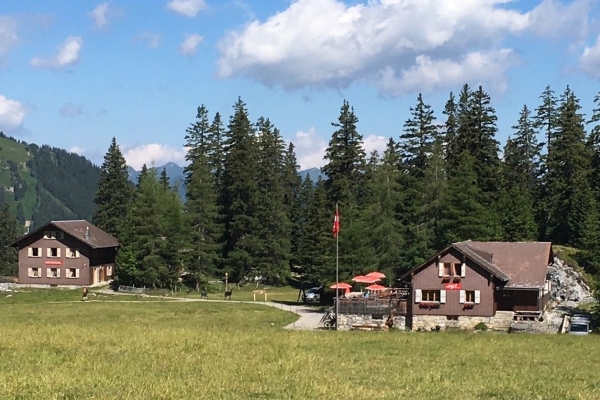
x=85, y=294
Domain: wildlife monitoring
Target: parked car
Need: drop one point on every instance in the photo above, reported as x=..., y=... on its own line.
x=313, y=294
x=581, y=324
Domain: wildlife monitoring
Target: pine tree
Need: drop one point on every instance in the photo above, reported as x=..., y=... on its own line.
x=202, y=218
x=417, y=140
x=164, y=178
x=273, y=232
x=466, y=217
x=114, y=192
x=382, y=226
x=593, y=144
x=451, y=153
x=240, y=193
x=546, y=118
x=292, y=184
x=568, y=174
x=215, y=152
x=8, y=234
x=434, y=194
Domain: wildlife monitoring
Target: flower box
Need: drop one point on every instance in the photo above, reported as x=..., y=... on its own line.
x=429, y=304
x=456, y=278
x=468, y=306
x=445, y=279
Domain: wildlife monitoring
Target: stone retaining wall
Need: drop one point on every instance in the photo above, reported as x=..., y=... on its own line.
x=430, y=322
x=346, y=321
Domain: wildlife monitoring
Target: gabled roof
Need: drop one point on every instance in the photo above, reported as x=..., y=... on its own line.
x=98, y=239
x=518, y=264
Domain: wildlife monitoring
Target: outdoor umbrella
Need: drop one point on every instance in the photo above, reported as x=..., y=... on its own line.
x=376, y=287
x=340, y=285
x=379, y=275
x=365, y=279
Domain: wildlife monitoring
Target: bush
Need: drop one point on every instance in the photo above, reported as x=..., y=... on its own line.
x=481, y=327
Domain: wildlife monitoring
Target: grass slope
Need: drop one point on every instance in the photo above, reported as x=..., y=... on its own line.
x=11, y=150
x=177, y=350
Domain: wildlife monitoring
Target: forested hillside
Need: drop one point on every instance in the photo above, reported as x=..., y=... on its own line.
x=442, y=178
x=43, y=183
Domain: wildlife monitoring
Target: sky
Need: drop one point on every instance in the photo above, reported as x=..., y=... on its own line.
x=74, y=74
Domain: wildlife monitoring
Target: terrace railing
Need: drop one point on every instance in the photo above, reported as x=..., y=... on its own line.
x=369, y=306
x=131, y=289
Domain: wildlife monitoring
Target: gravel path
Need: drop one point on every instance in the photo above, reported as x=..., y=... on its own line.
x=310, y=318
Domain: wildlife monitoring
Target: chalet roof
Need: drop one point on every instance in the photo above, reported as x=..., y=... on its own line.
x=524, y=263
x=77, y=228
x=520, y=265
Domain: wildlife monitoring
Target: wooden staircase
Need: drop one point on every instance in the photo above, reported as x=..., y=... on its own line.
x=502, y=321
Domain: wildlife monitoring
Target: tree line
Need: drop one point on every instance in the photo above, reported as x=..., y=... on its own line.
x=443, y=179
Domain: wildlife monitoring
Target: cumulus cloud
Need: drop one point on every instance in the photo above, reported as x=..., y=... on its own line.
x=70, y=110
x=188, y=8
x=152, y=39
x=100, y=15
x=189, y=44
x=395, y=45
x=77, y=150
x=12, y=114
x=551, y=18
x=590, y=59
x=310, y=147
x=66, y=54
x=158, y=154
x=8, y=35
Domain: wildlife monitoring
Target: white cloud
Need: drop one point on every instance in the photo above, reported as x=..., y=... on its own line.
x=67, y=54
x=152, y=39
x=375, y=142
x=8, y=35
x=12, y=114
x=551, y=18
x=310, y=147
x=100, y=15
x=158, y=154
x=70, y=110
x=590, y=60
x=189, y=45
x=328, y=43
x=77, y=150
x=188, y=8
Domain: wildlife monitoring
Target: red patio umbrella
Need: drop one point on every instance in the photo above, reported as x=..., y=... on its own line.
x=379, y=275
x=340, y=285
x=376, y=288
x=365, y=279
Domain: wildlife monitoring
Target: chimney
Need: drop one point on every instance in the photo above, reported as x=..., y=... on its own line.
x=87, y=233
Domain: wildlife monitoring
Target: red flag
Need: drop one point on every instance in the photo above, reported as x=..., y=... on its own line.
x=336, y=222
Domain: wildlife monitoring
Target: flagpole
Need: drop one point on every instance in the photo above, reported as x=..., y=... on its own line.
x=337, y=267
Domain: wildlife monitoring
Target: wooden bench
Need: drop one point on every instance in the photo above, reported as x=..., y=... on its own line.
x=369, y=327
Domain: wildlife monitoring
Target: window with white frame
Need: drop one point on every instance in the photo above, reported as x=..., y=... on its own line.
x=72, y=253
x=53, y=235
x=109, y=270
x=72, y=273
x=470, y=297
x=34, y=252
x=34, y=272
x=430, y=296
x=447, y=269
x=53, y=252
x=53, y=273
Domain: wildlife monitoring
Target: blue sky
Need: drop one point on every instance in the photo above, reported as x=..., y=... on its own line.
x=75, y=74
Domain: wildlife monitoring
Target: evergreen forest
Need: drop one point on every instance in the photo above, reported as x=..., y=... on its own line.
x=443, y=178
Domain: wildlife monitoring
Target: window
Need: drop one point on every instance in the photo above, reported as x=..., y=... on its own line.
x=53, y=235
x=452, y=317
x=72, y=273
x=34, y=272
x=451, y=269
x=109, y=270
x=72, y=253
x=53, y=273
x=470, y=297
x=431, y=295
x=34, y=252
x=53, y=252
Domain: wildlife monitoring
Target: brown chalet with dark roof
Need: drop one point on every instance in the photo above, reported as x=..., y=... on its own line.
x=73, y=253
x=477, y=279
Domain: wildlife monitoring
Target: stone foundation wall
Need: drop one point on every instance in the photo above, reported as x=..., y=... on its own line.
x=346, y=321
x=430, y=322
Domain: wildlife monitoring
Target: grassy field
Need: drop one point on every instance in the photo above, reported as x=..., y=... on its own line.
x=285, y=294
x=175, y=350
